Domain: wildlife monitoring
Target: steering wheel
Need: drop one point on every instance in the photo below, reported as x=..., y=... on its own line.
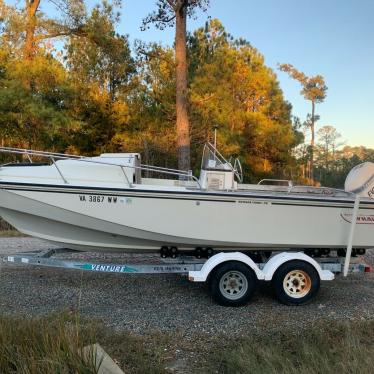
x=238, y=170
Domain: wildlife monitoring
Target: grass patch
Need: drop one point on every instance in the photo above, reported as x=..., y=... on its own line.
x=53, y=345
x=11, y=234
x=324, y=348
x=7, y=230
x=134, y=353
x=48, y=345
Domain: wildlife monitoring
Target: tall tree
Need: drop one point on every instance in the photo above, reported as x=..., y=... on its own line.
x=328, y=139
x=48, y=104
x=168, y=13
x=32, y=81
x=101, y=70
x=233, y=88
x=152, y=105
x=31, y=23
x=38, y=28
x=313, y=89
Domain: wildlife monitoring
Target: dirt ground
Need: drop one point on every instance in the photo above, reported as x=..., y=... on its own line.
x=144, y=303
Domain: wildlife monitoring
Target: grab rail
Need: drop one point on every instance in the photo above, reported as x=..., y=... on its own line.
x=323, y=190
x=288, y=182
x=33, y=152
x=52, y=156
x=292, y=188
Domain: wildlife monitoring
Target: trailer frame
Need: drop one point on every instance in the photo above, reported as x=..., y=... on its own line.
x=184, y=265
x=202, y=270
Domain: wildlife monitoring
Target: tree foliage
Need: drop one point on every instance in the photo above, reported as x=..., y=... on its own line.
x=312, y=88
x=31, y=115
x=166, y=10
x=232, y=88
x=92, y=93
x=339, y=164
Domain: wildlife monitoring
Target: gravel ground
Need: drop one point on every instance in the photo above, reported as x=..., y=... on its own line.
x=145, y=303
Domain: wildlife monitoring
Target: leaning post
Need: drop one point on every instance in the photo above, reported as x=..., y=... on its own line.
x=351, y=234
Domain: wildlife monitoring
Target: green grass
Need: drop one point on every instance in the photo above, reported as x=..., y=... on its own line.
x=41, y=346
x=7, y=230
x=11, y=234
x=325, y=348
x=53, y=344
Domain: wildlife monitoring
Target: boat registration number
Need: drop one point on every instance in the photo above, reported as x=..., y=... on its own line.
x=98, y=199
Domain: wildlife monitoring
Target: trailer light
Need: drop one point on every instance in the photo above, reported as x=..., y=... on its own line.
x=367, y=269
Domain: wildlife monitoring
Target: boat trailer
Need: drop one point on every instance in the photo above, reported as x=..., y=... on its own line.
x=233, y=276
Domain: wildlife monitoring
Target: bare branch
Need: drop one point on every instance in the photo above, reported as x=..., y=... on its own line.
x=143, y=52
x=172, y=4
x=59, y=6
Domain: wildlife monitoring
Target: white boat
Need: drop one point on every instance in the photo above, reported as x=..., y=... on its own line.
x=105, y=204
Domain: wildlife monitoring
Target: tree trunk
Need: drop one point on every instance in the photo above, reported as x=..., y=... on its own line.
x=326, y=157
x=29, y=47
x=183, y=127
x=312, y=144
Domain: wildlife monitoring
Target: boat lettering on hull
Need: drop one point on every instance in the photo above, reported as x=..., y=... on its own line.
x=362, y=219
x=371, y=193
x=257, y=202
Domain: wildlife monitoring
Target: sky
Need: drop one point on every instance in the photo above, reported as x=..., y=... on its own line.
x=334, y=38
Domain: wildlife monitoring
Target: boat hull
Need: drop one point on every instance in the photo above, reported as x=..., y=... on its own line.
x=104, y=219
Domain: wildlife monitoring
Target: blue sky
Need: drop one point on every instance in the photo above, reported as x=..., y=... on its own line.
x=333, y=38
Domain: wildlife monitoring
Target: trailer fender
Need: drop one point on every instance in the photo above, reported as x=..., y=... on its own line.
x=214, y=261
x=275, y=262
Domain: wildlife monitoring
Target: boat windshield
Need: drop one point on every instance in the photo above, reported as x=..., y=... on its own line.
x=212, y=159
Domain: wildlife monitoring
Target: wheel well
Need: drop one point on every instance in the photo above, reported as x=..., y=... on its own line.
x=228, y=262
x=279, y=260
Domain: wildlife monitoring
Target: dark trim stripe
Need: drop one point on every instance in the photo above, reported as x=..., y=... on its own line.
x=176, y=195
x=90, y=192
x=320, y=206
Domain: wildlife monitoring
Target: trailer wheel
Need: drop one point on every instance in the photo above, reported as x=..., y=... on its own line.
x=296, y=283
x=232, y=284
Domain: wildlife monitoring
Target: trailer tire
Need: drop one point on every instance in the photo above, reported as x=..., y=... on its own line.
x=296, y=283
x=232, y=284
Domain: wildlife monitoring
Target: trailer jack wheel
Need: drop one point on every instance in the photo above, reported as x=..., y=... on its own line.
x=232, y=284
x=296, y=283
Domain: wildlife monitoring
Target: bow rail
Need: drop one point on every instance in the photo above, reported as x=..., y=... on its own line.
x=53, y=156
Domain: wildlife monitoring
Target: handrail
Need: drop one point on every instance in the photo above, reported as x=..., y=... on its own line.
x=160, y=168
x=52, y=156
x=323, y=188
x=289, y=182
x=292, y=187
x=59, y=171
x=34, y=152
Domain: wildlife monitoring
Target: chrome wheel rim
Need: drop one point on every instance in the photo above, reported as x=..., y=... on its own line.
x=233, y=285
x=297, y=284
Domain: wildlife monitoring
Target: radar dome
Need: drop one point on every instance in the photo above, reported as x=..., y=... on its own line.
x=360, y=180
